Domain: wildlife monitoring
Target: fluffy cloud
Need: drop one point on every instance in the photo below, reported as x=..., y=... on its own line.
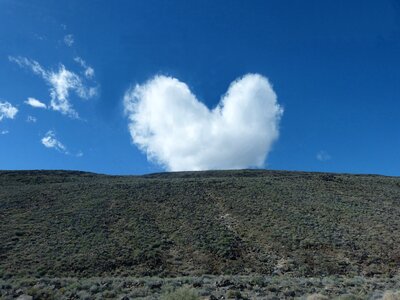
x=89, y=71
x=69, y=40
x=50, y=141
x=61, y=82
x=175, y=130
x=35, y=103
x=7, y=110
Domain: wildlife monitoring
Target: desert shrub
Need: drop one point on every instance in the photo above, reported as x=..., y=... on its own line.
x=232, y=294
x=348, y=297
x=391, y=295
x=317, y=297
x=183, y=293
x=258, y=280
x=140, y=292
x=33, y=291
x=109, y=294
x=94, y=288
x=84, y=295
x=154, y=284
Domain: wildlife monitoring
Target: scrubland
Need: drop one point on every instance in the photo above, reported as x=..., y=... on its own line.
x=248, y=234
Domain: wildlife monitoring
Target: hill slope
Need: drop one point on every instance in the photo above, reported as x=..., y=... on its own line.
x=59, y=223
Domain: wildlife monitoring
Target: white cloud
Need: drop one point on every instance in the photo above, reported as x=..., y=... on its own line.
x=50, y=141
x=69, y=40
x=89, y=71
x=323, y=156
x=32, y=64
x=35, y=103
x=175, y=130
x=61, y=82
x=7, y=111
x=31, y=119
x=4, y=132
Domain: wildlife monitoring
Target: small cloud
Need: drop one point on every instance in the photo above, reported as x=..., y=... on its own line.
x=323, y=156
x=89, y=71
x=79, y=154
x=69, y=40
x=64, y=27
x=31, y=119
x=35, y=103
x=50, y=141
x=4, y=132
x=39, y=37
x=61, y=82
x=7, y=110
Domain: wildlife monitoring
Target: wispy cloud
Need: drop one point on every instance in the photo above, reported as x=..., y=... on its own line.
x=61, y=82
x=35, y=103
x=50, y=141
x=176, y=130
x=69, y=40
x=4, y=132
x=7, y=110
x=39, y=37
x=31, y=119
x=323, y=156
x=89, y=71
x=32, y=64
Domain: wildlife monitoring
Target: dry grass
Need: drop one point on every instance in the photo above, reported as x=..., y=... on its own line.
x=391, y=295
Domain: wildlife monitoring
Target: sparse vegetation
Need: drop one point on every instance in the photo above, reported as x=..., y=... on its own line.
x=213, y=287
x=256, y=233
x=391, y=295
x=183, y=293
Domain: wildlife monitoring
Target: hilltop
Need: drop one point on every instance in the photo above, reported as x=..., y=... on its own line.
x=247, y=222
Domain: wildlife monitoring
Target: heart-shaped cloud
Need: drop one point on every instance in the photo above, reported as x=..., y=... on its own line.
x=175, y=130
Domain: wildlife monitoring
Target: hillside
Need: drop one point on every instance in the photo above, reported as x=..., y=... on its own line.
x=249, y=222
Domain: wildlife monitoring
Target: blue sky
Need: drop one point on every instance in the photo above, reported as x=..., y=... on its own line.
x=334, y=67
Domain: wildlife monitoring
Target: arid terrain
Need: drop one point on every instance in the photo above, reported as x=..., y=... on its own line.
x=249, y=234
